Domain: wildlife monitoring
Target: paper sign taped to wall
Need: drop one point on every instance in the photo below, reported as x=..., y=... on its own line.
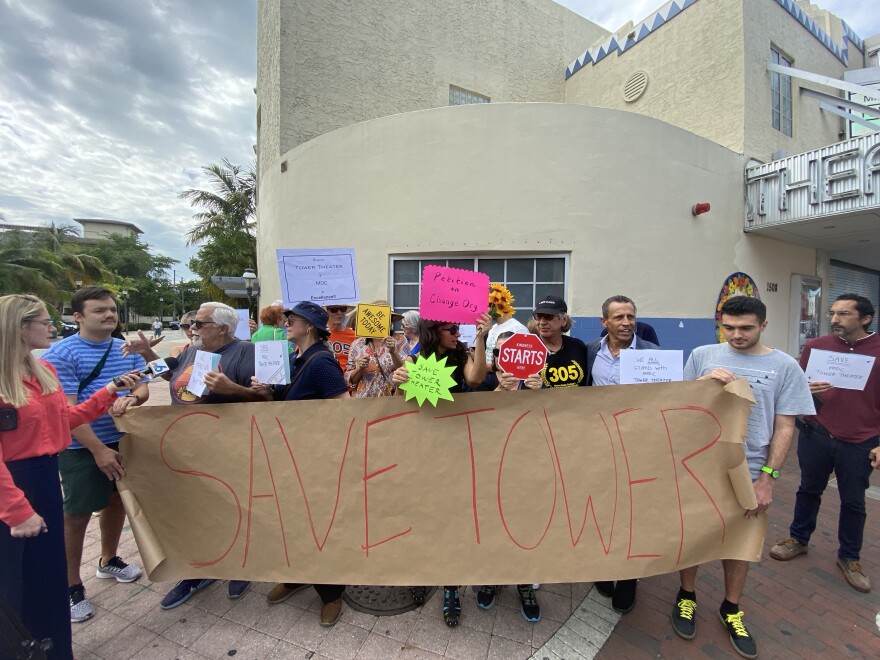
x=325, y=277
x=453, y=294
x=553, y=485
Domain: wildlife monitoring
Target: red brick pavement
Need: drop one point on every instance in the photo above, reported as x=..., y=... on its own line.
x=797, y=609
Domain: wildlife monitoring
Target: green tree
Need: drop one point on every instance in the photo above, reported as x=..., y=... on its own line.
x=25, y=268
x=137, y=270
x=225, y=226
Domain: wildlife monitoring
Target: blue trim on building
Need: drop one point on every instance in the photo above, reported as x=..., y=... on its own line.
x=672, y=9
x=597, y=53
x=849, y=36
x=678, y=334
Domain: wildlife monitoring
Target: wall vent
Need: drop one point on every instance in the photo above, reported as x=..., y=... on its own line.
x=635, y=86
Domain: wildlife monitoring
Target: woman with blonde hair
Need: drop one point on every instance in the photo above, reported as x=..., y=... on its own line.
x=35, y=423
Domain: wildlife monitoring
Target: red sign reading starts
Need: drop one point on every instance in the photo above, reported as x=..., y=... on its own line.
x=522, y=355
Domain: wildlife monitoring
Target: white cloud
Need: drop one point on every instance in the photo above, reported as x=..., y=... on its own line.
x=110, y=109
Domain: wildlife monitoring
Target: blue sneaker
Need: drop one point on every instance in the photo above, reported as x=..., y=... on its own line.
x=182, y=592
x=236, y=588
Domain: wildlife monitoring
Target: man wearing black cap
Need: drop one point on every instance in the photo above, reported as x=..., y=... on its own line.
x=566, y=356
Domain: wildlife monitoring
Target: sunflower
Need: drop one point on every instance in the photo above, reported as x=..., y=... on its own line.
x=500, y=299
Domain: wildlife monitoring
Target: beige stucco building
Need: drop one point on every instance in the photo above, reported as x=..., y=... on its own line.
x=517, y=138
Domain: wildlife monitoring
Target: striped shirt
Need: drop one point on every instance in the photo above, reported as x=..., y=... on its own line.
x=74, y=358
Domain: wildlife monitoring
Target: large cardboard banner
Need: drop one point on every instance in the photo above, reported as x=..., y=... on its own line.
x=493, y=488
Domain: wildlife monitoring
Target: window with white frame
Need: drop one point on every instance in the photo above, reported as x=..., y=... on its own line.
x=459, y=96
x=780, y=94
x=528, y=278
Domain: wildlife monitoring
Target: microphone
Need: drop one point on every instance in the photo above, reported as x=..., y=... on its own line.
x=154, y=368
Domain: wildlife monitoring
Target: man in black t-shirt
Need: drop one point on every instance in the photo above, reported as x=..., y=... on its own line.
x=566, y=356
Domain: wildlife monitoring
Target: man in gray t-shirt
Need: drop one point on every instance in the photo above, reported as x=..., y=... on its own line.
x=778, y=383
x=781, y=393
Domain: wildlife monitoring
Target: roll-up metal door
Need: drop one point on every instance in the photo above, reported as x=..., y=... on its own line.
x=847, y=278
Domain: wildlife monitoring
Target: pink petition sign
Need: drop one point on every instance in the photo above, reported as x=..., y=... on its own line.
x=453, y=295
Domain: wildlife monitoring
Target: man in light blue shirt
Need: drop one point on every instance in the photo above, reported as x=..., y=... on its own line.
x=603, y=354
x=603, y=368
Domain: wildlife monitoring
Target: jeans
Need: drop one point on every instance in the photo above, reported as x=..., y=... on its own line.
x=818, y=455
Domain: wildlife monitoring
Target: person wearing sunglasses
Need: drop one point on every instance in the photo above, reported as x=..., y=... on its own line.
x=212, y=330
x=186, y=326
x=566, y=356
x=440, y=338
x=341, y=336
x=498, y=381
x=314, y=374
x=35, y=427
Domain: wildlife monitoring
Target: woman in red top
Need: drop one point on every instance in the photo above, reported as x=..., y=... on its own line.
x=35, y=423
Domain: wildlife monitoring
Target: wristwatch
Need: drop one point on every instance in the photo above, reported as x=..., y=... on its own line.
x=769, y=470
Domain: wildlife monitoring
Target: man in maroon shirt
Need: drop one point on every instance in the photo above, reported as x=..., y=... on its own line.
x=842, y=437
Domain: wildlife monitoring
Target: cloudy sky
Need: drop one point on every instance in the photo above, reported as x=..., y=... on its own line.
x=109, y=108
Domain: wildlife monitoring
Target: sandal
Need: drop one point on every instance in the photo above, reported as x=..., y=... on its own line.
x=451, y=606
x=418, y=594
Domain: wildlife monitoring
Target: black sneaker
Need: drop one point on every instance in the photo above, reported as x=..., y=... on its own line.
x=605, y=588
x=530, y=610
x=182, y=592
x=451, y=607
x=624, y=599
x=684, y=622
x=739, y=636
x=486, y=597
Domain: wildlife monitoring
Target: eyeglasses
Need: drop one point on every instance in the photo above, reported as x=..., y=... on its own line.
x=198, y=325
x=185, y=326
x=544, y=317
x=47, y=322
x=337, y=310
x=452, y=329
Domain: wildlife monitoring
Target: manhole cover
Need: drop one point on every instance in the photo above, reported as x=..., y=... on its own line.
x=381, y=601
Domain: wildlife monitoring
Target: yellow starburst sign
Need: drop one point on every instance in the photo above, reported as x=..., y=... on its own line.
x=429, y=378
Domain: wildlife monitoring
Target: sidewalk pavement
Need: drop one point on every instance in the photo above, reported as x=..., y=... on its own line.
x=797, y=609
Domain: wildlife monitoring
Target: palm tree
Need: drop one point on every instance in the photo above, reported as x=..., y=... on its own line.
x=227, y=210
x=25, y=267
x=77, y=266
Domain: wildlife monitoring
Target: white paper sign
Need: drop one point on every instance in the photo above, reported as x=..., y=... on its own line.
x=243, y=329
x=272, y=362
x=326, y=277
x=848, y=371
x=468, y=334
x=202, y=364
x=651, y=366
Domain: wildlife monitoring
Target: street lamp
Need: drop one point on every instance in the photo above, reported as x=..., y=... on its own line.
x=249, y=277
x=125, y=308
x=161, y=310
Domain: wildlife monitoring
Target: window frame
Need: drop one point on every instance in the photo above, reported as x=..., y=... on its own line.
x=479, y=98
x=779, y=84
x=475, y=257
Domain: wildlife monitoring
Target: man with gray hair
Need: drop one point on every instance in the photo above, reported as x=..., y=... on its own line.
x=213, y=330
